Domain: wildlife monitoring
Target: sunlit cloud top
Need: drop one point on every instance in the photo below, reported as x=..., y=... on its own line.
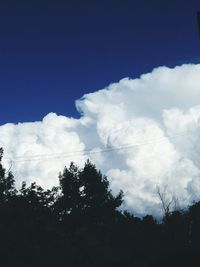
x=142, y=133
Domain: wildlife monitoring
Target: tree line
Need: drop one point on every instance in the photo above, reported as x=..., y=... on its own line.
x=79, y=224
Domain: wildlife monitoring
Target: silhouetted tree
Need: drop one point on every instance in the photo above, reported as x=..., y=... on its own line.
x=7, y=187
x=86, y=193
x=168, y=202
x=96, y=196
x=68, y=202
x=79, y=224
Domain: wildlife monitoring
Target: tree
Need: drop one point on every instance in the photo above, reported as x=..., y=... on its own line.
x=96, y=195
x=7, y=182
x=168, y=201
x=85, y=192
x=69, y=201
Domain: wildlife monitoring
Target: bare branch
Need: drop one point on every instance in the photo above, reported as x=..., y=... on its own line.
x=9, y=169
x=166, y=200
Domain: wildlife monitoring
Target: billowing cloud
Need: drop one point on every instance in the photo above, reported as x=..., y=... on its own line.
x=143, y=133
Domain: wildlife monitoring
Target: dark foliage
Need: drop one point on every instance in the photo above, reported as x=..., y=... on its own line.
x=78, y=224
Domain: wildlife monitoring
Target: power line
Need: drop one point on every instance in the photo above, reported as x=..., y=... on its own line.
x=84, y=152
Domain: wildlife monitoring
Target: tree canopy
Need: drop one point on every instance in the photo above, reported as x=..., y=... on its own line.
x=80, y=224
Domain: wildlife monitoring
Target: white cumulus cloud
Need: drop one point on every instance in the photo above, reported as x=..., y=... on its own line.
x=143, y=133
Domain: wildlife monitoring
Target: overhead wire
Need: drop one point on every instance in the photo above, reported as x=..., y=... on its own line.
x=91, y=151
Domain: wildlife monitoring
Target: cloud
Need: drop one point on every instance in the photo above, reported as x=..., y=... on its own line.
x=142, y=133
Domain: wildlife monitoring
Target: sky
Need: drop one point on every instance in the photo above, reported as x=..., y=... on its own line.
x=117, y=82
x=53, y=52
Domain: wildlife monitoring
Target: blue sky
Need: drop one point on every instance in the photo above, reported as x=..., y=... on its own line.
x=52, y=52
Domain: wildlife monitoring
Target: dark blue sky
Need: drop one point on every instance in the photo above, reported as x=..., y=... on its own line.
x=52, y=52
